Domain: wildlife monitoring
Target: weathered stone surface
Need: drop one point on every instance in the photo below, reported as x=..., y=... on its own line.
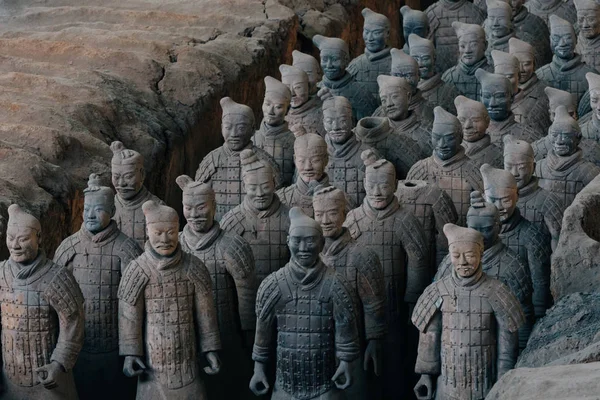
x=551, y=383
x=576, y=260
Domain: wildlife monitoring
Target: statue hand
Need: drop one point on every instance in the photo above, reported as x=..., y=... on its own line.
x=324, y=94
x=48, y=374
x=259, y=383
x=424, y=388
x=214, y=363
x=342, y=377
x=374, y=353
x=133, y=366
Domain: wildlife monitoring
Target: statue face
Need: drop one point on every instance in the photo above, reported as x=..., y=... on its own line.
x=163, y=237
x=564, y=142
x=474, y=123
x=465, y=257
x=199, y=212
x=497, y=101
x=520, y=167
x=426, y=60
x=260, y=189
x=300, y=92
x=22, y=243
x=330, y=215
x=510, y=73
x=97, y=212
x=237, y=131
x=487, y=226
x=595, y=102
x=394, y=103
x=127, y=180
x=563, y=45
x=526, y=67
x=445, y=143
x=504, y=199
x=338, y=124
x=417, y=27
x=471, y=49
x=380, y=188
x=498, y=23
x=516, y=6
x=305, y=246
x=589, y=23
x=408, y=73
x=334, y=63
x=310, y=164
x=375, y=37
x=274, y=109
x=570, y=109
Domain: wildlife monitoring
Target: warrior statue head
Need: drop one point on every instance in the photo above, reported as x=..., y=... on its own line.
x=23, y=235
x=588, y=18
x=496, y=94
x=380, y=180
x=337, y=119
x=508, y=66
x=562, y=38
x=395, y=94
x=199, y=205
x=329, y=204
x=305, y=239
x=484, y=218
x=404, y=66
x=310, y=65
x=519, y=160
x=276, y=102
x=471, y=42
x=564, y=133
x=465, y=246
x=446, y=134
x=310, y=157
x=557, y=97
x=98, y=205
x=237, y=124
x=334, y=55
x=259, y=180
x=297, y=81
x=594, y=88
x=414, y=22
x=500, y=190
x=376, y=30
x=499, y=20
x=423, y=51
x=473, y=117
x=162, y=225
x=525, y=54
x=128, y=173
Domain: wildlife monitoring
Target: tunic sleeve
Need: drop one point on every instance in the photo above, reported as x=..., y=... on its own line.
x=266, y=301
x=418, y=274
x=428, y=358
x=207, y=326
x=347, y=347
x=131, y=311
x=371, y=291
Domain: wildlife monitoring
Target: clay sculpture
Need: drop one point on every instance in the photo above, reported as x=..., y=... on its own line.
x=414, y=22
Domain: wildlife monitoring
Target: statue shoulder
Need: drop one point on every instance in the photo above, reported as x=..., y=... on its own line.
x=268, y=295
x=233, y=221
x=238, y=254
x=63, y=291
x=197, y=273
x=133, y=282
x=427, y=306
x=66, y=249
x=506, y=307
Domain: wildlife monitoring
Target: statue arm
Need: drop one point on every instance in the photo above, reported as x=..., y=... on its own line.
x=266, y=302
x=539, y=254
x=508, y=351
x=347, y=347
x=240, y=264
x=207, y=326
x=371, y=291
x=430, y=339
x=132, y=310
x=418, y=274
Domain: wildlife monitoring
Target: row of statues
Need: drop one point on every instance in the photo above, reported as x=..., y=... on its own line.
x=388, y=225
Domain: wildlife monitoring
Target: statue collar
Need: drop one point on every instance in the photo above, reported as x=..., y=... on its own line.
x=470, y=69
x=495, y=42
x=512, y=222
x=536, y=4
x=235, y=153
x=201, y=241
x=528, y=86
x=273, y=132
x=375, y=134
x=377, y=55
x=500, y=126
x=561, y=164
x=566, y=66
x=406, y=124
x=458, y=158
x=426, y=85
x=471, y=282
x=472, y=148
x=416, y=100
x=305, y=108
x=380, y=215
x=530, y=188
x=308, y=278
x=136, y=202
x=339, y=83
x=587, y=43
x=489, y=254
x=452, y=5
x=307, y=189
x=162, y=263
x=344, y=150
x=108, y=234
x=339, y=244
x=260, y=214
x=521, y=15
x=27, y=274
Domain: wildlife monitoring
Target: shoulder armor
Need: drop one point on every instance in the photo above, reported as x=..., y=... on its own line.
x=197, y=273
x=63, y=292
x=418, y=171
x=238, y=254
x=427, y=305
x=130, y=249
x=473, y=176
x=232, y=221
x=342, y=295
x=351, y=222
x=268, y=295
x=444, y=210
x=263, y=155
x=207, y=168
x=65, y=252
x=506, y=306
x=411, y=229
x=133, y=282
x=367, y=262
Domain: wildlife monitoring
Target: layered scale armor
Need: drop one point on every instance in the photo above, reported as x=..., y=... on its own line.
x=590, y=149
x=313, y=312
x=441, y=14
x=309, y=115
x=561, y=8
x=532, y=29
x=438, y=92
x=566, y=75
x=97, y=262
x=458, y=177
x=265, y=231
x=278, y=142
x=468, y=334
x=589, y=49
x=498, y=129
x=530, y=106
x=223, y=169
x=591, y=129
x=362, y=101
x=130, y=217
x=368, y=66
x=483, y=151
x=410, y=127
x=462, y=76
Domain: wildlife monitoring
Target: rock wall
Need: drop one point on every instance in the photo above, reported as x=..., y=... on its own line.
x=76, y=76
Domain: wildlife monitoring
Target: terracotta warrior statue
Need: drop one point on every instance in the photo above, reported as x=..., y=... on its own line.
x=395, y=94
x=230, y=264
x=274, y=136
x=530, y=243
x=498, y=26
x=557, y=97
x=498, y=261
x=471, y=47
x=459, y=359
x=222, y=166
x=396, y=236
x=345, y=169
x=496, y=96
x=588, y=41
x=338, y=82
x=311, y=158
x=545, y=8
x=362, y=270
x=564, y=171
x=311, y=66
x=442, y=15
x=402, y=151
x=167, y=315
x=42, y=317
x=305, y=110
x=261, y=219
x=434, y=208
x=591, y=129
x=543, y=208
x=431, y=85
x=97, y=255
x=530, y=103
x=414, y=22
x=532, y=30
x=376, y=59
x=567, y=70
x=306, y=311
x=128, y=174
x=475, y=121
x=448, y=166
